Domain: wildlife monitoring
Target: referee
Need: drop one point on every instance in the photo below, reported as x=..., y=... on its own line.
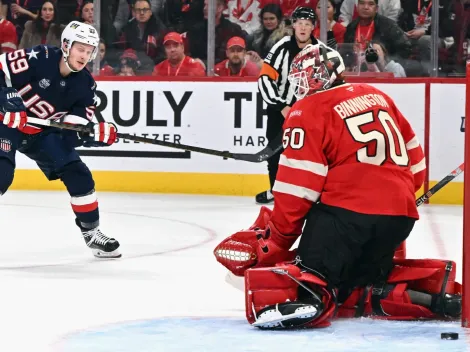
x=274, y=86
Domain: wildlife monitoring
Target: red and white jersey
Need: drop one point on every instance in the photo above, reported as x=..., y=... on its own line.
x=187, y=67
x=348, y=147
x=8, y=38
x=249, y=69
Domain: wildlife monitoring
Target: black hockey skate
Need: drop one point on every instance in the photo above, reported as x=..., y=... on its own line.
x=265, y=197
x=288, y=315
x=100, y=245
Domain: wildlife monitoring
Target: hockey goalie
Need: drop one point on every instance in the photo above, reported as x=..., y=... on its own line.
x=346, y=185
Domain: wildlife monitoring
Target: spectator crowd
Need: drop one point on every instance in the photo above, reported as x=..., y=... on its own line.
x=169, y=37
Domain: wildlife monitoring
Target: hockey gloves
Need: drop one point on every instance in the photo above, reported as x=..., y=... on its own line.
x=12, y=109
x=104, y=134
x=258, y=246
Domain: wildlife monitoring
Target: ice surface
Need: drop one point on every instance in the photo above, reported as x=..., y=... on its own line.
x=167, y=292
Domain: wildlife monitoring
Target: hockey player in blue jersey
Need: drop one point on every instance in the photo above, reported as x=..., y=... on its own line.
x=52, y=83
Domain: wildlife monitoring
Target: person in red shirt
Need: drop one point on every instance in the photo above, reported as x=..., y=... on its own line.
x=335, y=33
x=8, y=37
x=177, y=64
x=346, y=183
x=236, y=63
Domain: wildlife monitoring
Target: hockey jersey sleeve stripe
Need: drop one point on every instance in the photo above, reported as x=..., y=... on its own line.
x=268, y=70
x=76, y=120
x=296, y=191
x=419, y=166
x=301, y=178
x=4, y=68
x=305, y=165
x=84, y=200
x=413, y=143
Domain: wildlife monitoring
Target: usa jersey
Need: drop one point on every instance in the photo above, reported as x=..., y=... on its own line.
x=35, y=74
x=348, y=147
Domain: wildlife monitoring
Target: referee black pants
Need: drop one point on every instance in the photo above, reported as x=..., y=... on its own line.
x=273, y=129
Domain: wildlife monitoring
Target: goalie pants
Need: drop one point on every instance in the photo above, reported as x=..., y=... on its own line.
x=57, y=158
x=273, y=129
x=350, y=249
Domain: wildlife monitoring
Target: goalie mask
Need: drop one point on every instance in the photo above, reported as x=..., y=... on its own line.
x=315, y=68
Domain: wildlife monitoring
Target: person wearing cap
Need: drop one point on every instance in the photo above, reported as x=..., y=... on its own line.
x=274, y=85
x=177, y=63
x=129, y=63
x=236, y=63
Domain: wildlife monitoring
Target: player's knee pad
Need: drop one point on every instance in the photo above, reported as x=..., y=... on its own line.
x=7, y=171
x=77, y=178
x=310, y=302
x=416, y=289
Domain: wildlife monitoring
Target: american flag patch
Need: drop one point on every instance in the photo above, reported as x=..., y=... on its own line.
x=5, y=145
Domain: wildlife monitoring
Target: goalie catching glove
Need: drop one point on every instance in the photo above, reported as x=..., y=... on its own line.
x=12, y=109
x=261, y=245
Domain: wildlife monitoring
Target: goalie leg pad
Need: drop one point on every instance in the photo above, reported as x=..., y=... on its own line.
x=272, y=298
x=416, y=289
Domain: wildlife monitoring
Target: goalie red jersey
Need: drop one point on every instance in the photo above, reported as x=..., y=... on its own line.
x=349, y=147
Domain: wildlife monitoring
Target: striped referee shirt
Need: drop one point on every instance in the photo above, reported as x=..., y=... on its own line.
x=272, y=82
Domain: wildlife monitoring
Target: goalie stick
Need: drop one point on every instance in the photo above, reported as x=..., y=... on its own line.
x=439, y=185
x=272, y=148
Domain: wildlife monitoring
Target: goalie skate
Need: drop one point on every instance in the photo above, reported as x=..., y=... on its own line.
x=286, y=315
x=101, y=245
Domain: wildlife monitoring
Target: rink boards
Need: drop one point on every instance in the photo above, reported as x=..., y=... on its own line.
x=231, y=116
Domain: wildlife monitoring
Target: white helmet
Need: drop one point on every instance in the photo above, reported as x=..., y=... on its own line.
x=79, y=32
x=315, y=68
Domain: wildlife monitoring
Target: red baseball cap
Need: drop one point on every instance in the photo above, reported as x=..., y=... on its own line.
x=129, y=54
x=236, y=41
x=174, y=37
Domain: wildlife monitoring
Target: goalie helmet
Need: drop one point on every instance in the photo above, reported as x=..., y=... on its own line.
x=315, y=68
x=79, y=32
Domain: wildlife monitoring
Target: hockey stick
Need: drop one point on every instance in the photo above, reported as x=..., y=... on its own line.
x=272, y=148
x=439, y=185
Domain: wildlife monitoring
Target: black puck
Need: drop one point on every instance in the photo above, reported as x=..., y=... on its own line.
x=449, y=336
